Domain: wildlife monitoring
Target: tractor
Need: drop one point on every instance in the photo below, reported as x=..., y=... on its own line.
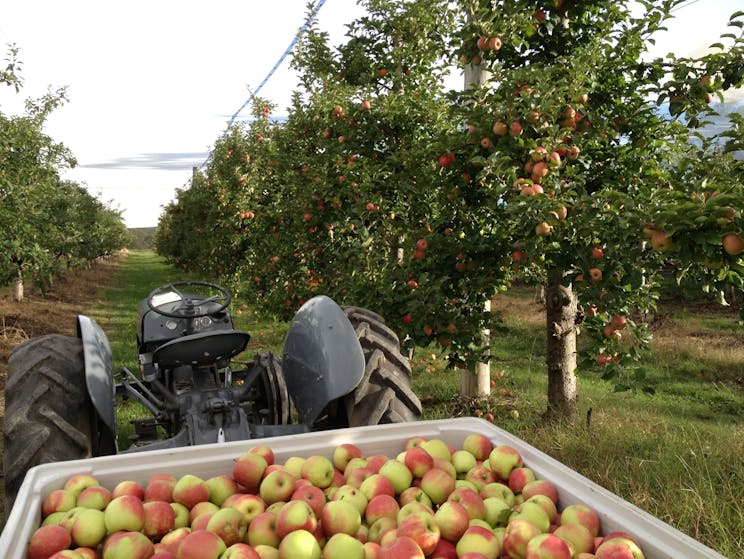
x=341, y=367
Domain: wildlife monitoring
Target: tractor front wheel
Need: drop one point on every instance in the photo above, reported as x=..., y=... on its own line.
x=384, y=394
x=48, y=412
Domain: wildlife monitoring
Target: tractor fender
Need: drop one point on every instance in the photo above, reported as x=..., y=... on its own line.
x=99, y=376
x=323, y=359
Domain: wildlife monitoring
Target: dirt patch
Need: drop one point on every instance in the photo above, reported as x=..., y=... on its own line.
x=53, y=312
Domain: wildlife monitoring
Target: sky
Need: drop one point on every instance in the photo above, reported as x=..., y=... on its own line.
x=153, y=84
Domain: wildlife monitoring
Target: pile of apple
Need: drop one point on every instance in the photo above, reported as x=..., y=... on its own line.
x=432, y=500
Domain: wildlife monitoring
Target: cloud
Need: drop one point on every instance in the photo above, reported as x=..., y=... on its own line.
x=161, y=161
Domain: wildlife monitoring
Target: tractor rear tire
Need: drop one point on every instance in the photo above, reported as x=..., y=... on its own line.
x=48, y=412
x=384, y=394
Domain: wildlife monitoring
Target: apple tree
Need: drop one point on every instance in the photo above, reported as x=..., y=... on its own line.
x=46, y=219
x=596, y=183
x=355, y=194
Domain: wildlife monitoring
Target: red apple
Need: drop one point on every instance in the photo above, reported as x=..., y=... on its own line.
x=381, y=506
x=401, y=548
x=421, y=528
x=295, y=515
x=47, y=540
x=160, y=518
x=733, y=244
x=201, y=544
x=131, y=545
x=189, y=490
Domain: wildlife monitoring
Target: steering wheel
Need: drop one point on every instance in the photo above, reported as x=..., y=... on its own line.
x=186, y=305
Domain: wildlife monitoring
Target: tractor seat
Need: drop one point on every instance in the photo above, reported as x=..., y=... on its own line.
x=204, y=348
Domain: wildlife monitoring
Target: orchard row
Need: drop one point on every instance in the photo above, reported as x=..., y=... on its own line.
x=385, y=190
x=49, y=224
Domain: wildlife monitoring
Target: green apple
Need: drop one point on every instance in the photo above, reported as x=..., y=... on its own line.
x=578, y=536
x=299, y=544
x=266, y=552
x=229, y=524
x=125, y=513
x=503, y=459
x=262, y=530
x=340, y=517
x=499, y=490
x=220, y=488
x=533, y=512
x=293, y=465
x=479, y=540
x=89, y=528
x=497, y=511
x=240, y=551
x=353, y=495
x=437, y=448
x=343, y=546
x=398, y=474
x=278, y=486
x=78, y=482
x=463, y=461
x=453, y=519
x=318, y=470
x=181, y=515
x=437, y=484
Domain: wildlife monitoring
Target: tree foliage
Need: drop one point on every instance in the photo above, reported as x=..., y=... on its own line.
x=47, y=222
x=574, y=161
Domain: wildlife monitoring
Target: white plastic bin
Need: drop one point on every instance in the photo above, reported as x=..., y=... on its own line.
x=657, y=539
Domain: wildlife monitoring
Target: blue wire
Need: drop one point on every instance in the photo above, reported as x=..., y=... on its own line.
x=279, y=62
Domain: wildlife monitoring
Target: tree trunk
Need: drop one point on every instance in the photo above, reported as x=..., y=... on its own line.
x=540, y=294
x=478, y=384
x=18, y=287
x=561, y=313
x=475, y=384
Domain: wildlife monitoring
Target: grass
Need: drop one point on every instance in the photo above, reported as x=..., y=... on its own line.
x=677, y=454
